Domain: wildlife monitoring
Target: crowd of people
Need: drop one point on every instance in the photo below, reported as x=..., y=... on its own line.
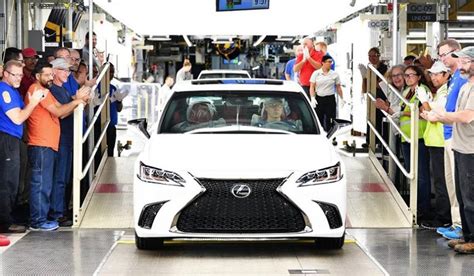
x=443, y=89
x=38, y=97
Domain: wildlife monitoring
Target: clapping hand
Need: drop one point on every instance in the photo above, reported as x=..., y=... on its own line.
x=363, y=70
x=305, y=53
x=83, y=93
x=422, y=95
x=37, y=96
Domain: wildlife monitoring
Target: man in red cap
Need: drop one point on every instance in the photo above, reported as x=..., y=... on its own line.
x=31, y=58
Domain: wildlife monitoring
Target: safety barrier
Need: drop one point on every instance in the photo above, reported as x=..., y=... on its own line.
x=80, y=171
x=372, y=74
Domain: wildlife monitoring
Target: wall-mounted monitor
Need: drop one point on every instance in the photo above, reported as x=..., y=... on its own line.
x=238, y=5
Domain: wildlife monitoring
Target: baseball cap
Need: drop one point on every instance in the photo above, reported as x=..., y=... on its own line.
x=465, y=52
x=60, y=63
x=438, y=67
x=29, y=52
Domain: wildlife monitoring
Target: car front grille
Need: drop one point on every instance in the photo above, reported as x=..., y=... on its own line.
x=218, y=210
x=332, y=214
x=148, y=214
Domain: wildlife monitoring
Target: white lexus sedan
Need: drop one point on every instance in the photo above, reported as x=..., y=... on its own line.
x=239, y=159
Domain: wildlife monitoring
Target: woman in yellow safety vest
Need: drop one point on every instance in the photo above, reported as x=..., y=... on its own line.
x=416, y=83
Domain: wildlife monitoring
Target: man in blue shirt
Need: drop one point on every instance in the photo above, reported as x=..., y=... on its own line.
x=63, y=160
x=13, y=113
x=445, y=50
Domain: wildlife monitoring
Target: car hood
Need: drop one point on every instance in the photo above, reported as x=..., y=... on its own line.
x=239, y=155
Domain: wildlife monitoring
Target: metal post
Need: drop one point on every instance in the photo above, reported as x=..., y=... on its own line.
x=69, y=24
x=77, y=164
x=19, y=33
x=3, y=27
x=414, y=162
x=372, y=87
x=396, y=42
x=90, y=110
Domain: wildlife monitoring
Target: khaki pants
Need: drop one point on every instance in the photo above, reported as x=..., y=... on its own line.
x=449, y=174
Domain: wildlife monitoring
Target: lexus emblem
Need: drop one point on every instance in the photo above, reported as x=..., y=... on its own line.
x=241, y=191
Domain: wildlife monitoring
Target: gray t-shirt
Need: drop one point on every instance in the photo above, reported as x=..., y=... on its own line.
x=183, y=75
x=325, y=84
x=463, y=134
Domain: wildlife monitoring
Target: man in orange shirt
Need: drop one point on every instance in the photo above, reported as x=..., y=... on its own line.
x=43, y=142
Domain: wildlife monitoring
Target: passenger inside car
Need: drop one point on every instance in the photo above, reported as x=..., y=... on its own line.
x=199, y=114
x=274, y=116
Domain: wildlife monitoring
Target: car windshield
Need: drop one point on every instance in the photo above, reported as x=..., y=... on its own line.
x=223, y=75
x=238, y=112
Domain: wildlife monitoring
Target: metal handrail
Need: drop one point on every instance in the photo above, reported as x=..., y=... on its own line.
x=389, y=118
x=97, y=113
x=102, y=134
x=79, y=172
x=390, y=86
x=413, y=140
x=393, y=155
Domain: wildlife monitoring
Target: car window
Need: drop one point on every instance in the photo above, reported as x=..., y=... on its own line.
x=236, y=76
x=210, y=76
x=222, y=111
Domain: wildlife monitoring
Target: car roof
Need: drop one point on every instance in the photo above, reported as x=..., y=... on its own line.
x=238, y=85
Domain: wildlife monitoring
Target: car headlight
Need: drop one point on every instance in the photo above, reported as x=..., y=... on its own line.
x=322, y=176
x=159, y=176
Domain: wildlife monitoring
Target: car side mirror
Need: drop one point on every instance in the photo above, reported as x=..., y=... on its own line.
x=339, y=127
x=141, y=124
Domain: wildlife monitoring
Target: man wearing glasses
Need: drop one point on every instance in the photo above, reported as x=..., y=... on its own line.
x=462, y=120
x=445, y=50
x=13, y=113
x=43, y=142
x=30, y=59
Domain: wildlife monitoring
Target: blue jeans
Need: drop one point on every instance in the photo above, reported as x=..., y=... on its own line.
x=424, y=182
x=62, y=173
x=42, y=169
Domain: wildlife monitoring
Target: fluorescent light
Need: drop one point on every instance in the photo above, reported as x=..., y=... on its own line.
x=284, y=38
x=186, y=38
x=466, y=17
x=256, y=68
x=259, y=40
x=159, y=38
x=144, y=47
x=222, y=40
x=461, y=34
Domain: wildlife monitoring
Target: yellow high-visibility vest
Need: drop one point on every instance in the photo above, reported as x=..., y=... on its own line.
x=405, y=123
x=434, y=133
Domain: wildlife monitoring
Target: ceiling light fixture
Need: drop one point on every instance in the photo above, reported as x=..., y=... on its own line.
x=284, y=38
x=259, y=40
x=159, y=38
x=188, y=42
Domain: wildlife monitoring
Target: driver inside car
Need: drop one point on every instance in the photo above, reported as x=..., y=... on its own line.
x=199, y=114
x=274, y=116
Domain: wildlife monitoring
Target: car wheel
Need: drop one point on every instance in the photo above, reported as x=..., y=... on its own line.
x=148, y=243
x=330, y=243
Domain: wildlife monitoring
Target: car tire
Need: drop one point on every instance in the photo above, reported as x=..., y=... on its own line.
x=330, y=243
x=148, y=243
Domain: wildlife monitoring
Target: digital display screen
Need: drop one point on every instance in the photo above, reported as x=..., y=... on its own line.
x=236, y=5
